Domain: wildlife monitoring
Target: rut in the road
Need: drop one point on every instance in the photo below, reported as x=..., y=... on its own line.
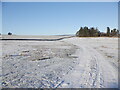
x=92, y=71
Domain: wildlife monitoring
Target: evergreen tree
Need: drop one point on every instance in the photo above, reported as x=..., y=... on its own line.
x=81, y=32
x=114, y=32
x=86, y=31
x=9, y=33
x=96, y=32
x=92, y=31
x=117, y=32
x=108, y=31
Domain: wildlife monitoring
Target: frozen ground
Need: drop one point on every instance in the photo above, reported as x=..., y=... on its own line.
x=33, y=36
x=68, y=63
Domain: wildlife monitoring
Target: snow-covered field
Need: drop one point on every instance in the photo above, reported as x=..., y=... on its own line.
x=67, y=63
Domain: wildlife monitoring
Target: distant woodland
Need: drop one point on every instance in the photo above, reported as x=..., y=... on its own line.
x=94, y=32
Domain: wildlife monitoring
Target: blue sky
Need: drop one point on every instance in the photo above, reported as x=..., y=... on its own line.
x=51, y=18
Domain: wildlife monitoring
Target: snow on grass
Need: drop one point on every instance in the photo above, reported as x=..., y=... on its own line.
x=69, y=63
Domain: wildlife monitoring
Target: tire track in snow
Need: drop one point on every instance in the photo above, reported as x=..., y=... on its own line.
x=93, y=70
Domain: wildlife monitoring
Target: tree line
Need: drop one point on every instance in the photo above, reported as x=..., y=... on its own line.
x=94, y=32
